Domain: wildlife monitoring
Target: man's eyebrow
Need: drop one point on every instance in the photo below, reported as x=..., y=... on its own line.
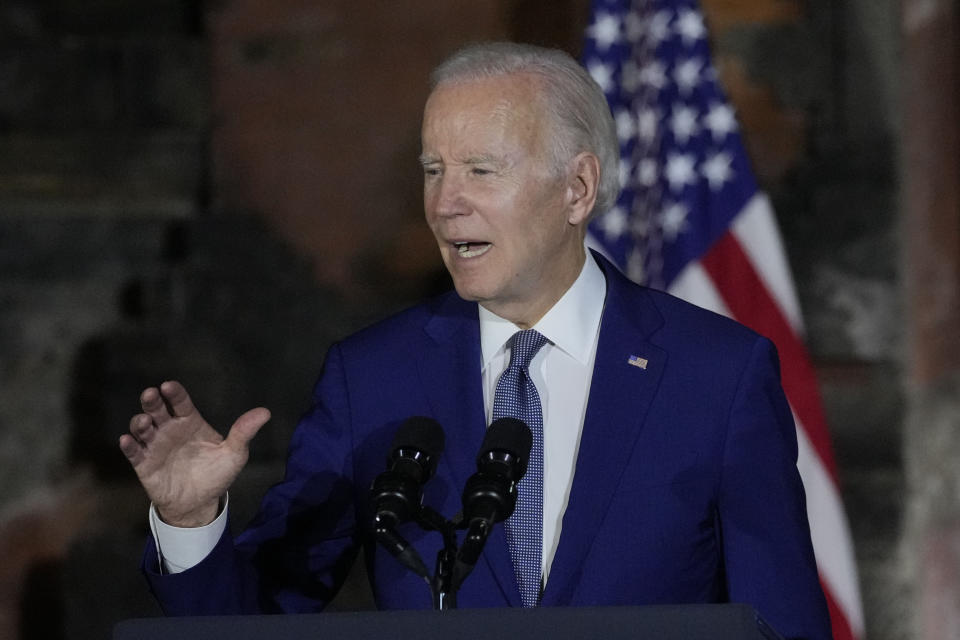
x=481, y=158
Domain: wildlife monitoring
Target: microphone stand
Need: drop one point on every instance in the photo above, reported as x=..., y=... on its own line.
x=443, y=588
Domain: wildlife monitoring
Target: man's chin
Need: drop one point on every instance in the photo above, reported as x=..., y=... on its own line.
x=467, y=293
x=470, y=290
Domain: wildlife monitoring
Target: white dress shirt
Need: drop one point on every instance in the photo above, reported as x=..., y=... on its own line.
x=561, y=371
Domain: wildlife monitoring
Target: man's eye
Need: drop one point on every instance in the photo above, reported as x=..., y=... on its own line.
x=477, y=171
x=431, y=171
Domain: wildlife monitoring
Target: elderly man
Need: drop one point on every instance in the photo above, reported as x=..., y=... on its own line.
x=663, y=465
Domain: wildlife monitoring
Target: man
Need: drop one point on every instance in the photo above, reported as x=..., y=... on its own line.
x=668, y=449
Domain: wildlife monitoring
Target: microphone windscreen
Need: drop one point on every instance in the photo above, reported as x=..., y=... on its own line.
x=508, y=435
x=421, y=433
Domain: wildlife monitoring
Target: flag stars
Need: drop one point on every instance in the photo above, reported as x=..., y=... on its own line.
x=647, y=123
x=602, y=74
x=690, y=26
x=680, y=170
x=614, y=223
x=626, y=125
x=648, y=172
x=654, y=74
x=720, y=120
x=605, y=30
x=687, y=74
x=717, y=170
x=658, y=29
x=673, y=220
x=683, y=123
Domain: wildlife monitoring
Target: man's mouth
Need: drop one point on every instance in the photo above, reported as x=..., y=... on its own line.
x=472, y=249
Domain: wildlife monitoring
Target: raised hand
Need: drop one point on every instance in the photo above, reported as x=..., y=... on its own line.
x=182, y=462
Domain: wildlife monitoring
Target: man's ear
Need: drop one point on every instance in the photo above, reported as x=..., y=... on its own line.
x=582, y=187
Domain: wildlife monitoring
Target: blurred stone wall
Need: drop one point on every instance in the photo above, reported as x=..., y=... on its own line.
x=215, y=191
x=931, y=290
x=826, y=76
x=103, y=116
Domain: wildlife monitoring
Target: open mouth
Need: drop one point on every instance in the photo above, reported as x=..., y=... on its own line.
x=472, y=249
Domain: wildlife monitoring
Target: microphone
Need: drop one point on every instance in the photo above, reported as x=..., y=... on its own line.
x=490, y=495
x=396, y=494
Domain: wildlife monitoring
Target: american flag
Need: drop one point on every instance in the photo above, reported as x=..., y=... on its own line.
x=691, y=220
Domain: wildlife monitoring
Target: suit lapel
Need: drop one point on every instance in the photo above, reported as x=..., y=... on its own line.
x=449, y=370
x=620, y=395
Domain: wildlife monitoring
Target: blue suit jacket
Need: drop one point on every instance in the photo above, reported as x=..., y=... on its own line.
x=685, y=488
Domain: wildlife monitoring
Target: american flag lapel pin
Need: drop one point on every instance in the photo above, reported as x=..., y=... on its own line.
x=637, y=361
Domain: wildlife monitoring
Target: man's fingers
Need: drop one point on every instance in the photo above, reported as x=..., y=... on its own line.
x=141, y=428
x=168, y=401
x=131, y=449
x=177, y=398
x=246, y=427
x=152, y=404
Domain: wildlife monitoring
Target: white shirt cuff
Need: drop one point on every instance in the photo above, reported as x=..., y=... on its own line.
x=182, y=548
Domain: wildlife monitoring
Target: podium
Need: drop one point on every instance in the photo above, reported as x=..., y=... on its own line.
x=672, y=622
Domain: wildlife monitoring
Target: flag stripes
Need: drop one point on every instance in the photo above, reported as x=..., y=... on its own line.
x=692, y=220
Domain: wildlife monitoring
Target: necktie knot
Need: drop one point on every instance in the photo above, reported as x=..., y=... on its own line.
x=526, y=344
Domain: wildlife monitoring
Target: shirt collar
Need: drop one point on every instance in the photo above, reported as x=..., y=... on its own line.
x=571, y=324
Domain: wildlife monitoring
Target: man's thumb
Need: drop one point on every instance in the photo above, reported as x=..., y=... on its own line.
x=247, y=426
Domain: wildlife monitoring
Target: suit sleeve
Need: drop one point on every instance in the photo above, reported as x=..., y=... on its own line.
x=299, y=547
x=768, y=555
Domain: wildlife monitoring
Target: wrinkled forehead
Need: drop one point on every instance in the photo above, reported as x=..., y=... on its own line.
x=506, y=106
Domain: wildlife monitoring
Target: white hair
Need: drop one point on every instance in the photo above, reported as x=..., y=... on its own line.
x=576, y=104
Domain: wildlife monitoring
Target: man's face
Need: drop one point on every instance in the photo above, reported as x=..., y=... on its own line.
x=493, y=199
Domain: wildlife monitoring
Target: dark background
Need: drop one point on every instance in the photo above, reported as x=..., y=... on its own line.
x=214, y=191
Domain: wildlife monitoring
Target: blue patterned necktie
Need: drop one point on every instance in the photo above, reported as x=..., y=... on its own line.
x=517, y=397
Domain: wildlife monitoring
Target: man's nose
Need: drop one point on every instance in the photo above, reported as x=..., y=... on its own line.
x=449, y=195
